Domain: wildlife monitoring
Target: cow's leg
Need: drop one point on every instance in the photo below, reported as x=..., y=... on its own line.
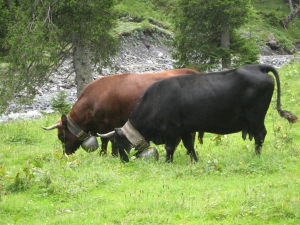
x=188, y=143
x=259, y=137
x=115, y=151
x=177, y=142
x=200, y=137
x=170, y=148
x=104, y=142
x=194, y=138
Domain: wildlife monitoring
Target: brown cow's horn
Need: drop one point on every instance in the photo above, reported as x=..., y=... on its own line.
x=52, y=127
x=108, y=135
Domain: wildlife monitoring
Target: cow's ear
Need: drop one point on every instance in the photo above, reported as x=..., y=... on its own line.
x=64, y=121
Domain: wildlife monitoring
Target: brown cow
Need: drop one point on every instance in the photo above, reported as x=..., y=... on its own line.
x=105, y=103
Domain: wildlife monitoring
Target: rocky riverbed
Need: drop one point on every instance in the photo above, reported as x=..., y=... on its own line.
x=135, y=56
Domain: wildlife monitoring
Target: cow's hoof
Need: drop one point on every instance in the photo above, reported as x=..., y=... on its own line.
x=150, y=153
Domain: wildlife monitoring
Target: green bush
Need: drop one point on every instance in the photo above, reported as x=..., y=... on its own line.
x=59, y=103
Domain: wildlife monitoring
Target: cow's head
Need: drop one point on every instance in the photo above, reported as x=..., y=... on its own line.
x=120, y=142
x=71, y=136
x=126, y=138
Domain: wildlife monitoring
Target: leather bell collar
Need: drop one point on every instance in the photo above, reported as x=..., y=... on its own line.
x=136, y=139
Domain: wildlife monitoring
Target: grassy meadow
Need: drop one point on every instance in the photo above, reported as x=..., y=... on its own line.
x=230, y=185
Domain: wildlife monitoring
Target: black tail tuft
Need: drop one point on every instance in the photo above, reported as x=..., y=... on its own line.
x=288, y=115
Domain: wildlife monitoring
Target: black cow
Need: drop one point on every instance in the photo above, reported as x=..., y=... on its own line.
x=219, y=102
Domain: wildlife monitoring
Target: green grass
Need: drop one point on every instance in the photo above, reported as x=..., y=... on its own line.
x=134, y=13
x=230, y=185
x=142, y=9
x=266, y=21
x=142, y=15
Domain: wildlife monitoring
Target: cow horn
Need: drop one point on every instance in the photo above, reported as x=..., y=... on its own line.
x=108, y=135
x=52, y=127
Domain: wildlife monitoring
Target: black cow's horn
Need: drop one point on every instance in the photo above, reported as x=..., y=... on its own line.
x=108, y=135
x=52, y=127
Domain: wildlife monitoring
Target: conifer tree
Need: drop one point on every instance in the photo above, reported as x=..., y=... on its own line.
x=206, y=34
x=44, y=33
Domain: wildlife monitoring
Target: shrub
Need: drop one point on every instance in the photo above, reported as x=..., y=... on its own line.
x=59, y=103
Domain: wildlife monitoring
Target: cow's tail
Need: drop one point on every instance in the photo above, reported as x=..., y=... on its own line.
x=283, y=113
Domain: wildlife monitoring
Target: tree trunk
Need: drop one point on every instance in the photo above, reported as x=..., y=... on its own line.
x=225, y=42
x=81, y=63
x=290, y=17
x=291, y=5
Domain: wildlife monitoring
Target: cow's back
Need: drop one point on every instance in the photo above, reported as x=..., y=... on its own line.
x=109, y=100
x=204, y=102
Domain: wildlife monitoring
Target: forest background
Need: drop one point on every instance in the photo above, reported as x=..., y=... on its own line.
x=230, y=185
x=38, y=36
